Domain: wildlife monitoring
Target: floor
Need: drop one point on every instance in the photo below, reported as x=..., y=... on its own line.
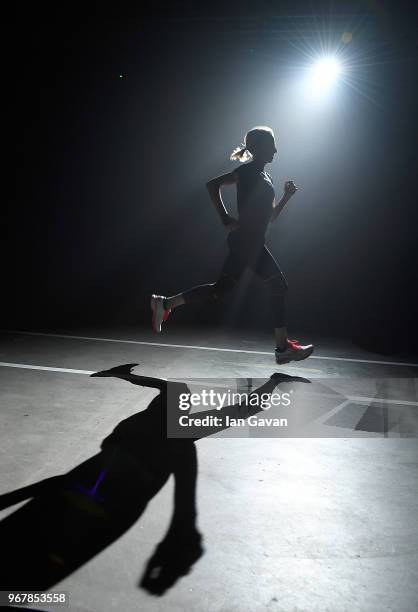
x=323, y=519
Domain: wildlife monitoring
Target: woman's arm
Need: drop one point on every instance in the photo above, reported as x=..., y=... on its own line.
x=278, y=207
x=214, y=188
x=289, y=190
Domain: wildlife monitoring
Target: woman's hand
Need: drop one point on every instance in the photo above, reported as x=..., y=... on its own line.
x=290, y=188
x=230, y=223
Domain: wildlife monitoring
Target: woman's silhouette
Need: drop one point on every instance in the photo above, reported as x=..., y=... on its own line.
x=73, y=517
x=256, y=208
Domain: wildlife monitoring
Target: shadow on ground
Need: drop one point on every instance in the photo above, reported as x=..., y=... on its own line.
x=74, y=516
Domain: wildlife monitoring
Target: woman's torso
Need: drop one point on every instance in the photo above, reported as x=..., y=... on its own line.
x=255, y=195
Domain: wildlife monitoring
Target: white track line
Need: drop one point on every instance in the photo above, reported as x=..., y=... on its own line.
x=351, y=398
x=202, y=348
x=28, y=366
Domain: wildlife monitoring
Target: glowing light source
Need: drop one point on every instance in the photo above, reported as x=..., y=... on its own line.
x=326, y=71
x=323, y=75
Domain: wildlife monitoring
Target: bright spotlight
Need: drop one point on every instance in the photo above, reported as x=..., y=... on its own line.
x=325, y=71
x=322, y=78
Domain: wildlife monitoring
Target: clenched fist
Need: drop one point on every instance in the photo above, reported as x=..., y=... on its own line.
x=290, y=188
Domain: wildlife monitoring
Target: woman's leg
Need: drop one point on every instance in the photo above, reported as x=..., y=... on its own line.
x=161, y=306
x=268, y=269
x=174, y=301
x=201, y=293
x=280, y=335
x=286, y=349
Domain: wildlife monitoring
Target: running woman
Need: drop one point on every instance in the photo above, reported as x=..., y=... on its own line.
x=257, y=207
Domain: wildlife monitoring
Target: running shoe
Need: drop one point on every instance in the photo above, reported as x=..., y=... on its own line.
x=159, y=312
x=293, y=352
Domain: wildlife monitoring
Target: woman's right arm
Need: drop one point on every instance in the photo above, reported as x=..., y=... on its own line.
x=214, y=188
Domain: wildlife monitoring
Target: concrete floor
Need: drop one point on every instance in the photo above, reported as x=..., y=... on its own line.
x=324, y=519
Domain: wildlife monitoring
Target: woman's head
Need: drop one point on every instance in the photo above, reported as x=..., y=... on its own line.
x=258, y=143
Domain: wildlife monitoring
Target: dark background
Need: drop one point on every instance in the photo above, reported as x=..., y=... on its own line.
x=110, y=202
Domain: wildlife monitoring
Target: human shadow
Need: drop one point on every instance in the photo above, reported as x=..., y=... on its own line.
x=74, y=516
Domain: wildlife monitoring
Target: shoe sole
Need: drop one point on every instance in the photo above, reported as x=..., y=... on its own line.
x=154, y=315
x=295, y=358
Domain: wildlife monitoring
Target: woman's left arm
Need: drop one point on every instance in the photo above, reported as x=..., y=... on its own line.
x=289, y=190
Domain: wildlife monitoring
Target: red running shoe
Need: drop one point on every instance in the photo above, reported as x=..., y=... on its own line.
x=159, y=312
x=293, y=352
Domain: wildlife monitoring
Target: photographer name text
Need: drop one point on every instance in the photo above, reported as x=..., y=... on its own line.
x=227, y=421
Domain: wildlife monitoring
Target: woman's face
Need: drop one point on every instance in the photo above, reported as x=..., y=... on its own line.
x=266, y=150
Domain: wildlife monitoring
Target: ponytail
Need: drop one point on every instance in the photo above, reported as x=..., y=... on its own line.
x=241, y=153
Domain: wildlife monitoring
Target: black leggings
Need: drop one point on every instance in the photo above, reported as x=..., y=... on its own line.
x=241, y=256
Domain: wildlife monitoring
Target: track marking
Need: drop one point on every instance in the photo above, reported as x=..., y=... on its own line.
x=28, y=366
x=351, y=398
x=202, y=348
